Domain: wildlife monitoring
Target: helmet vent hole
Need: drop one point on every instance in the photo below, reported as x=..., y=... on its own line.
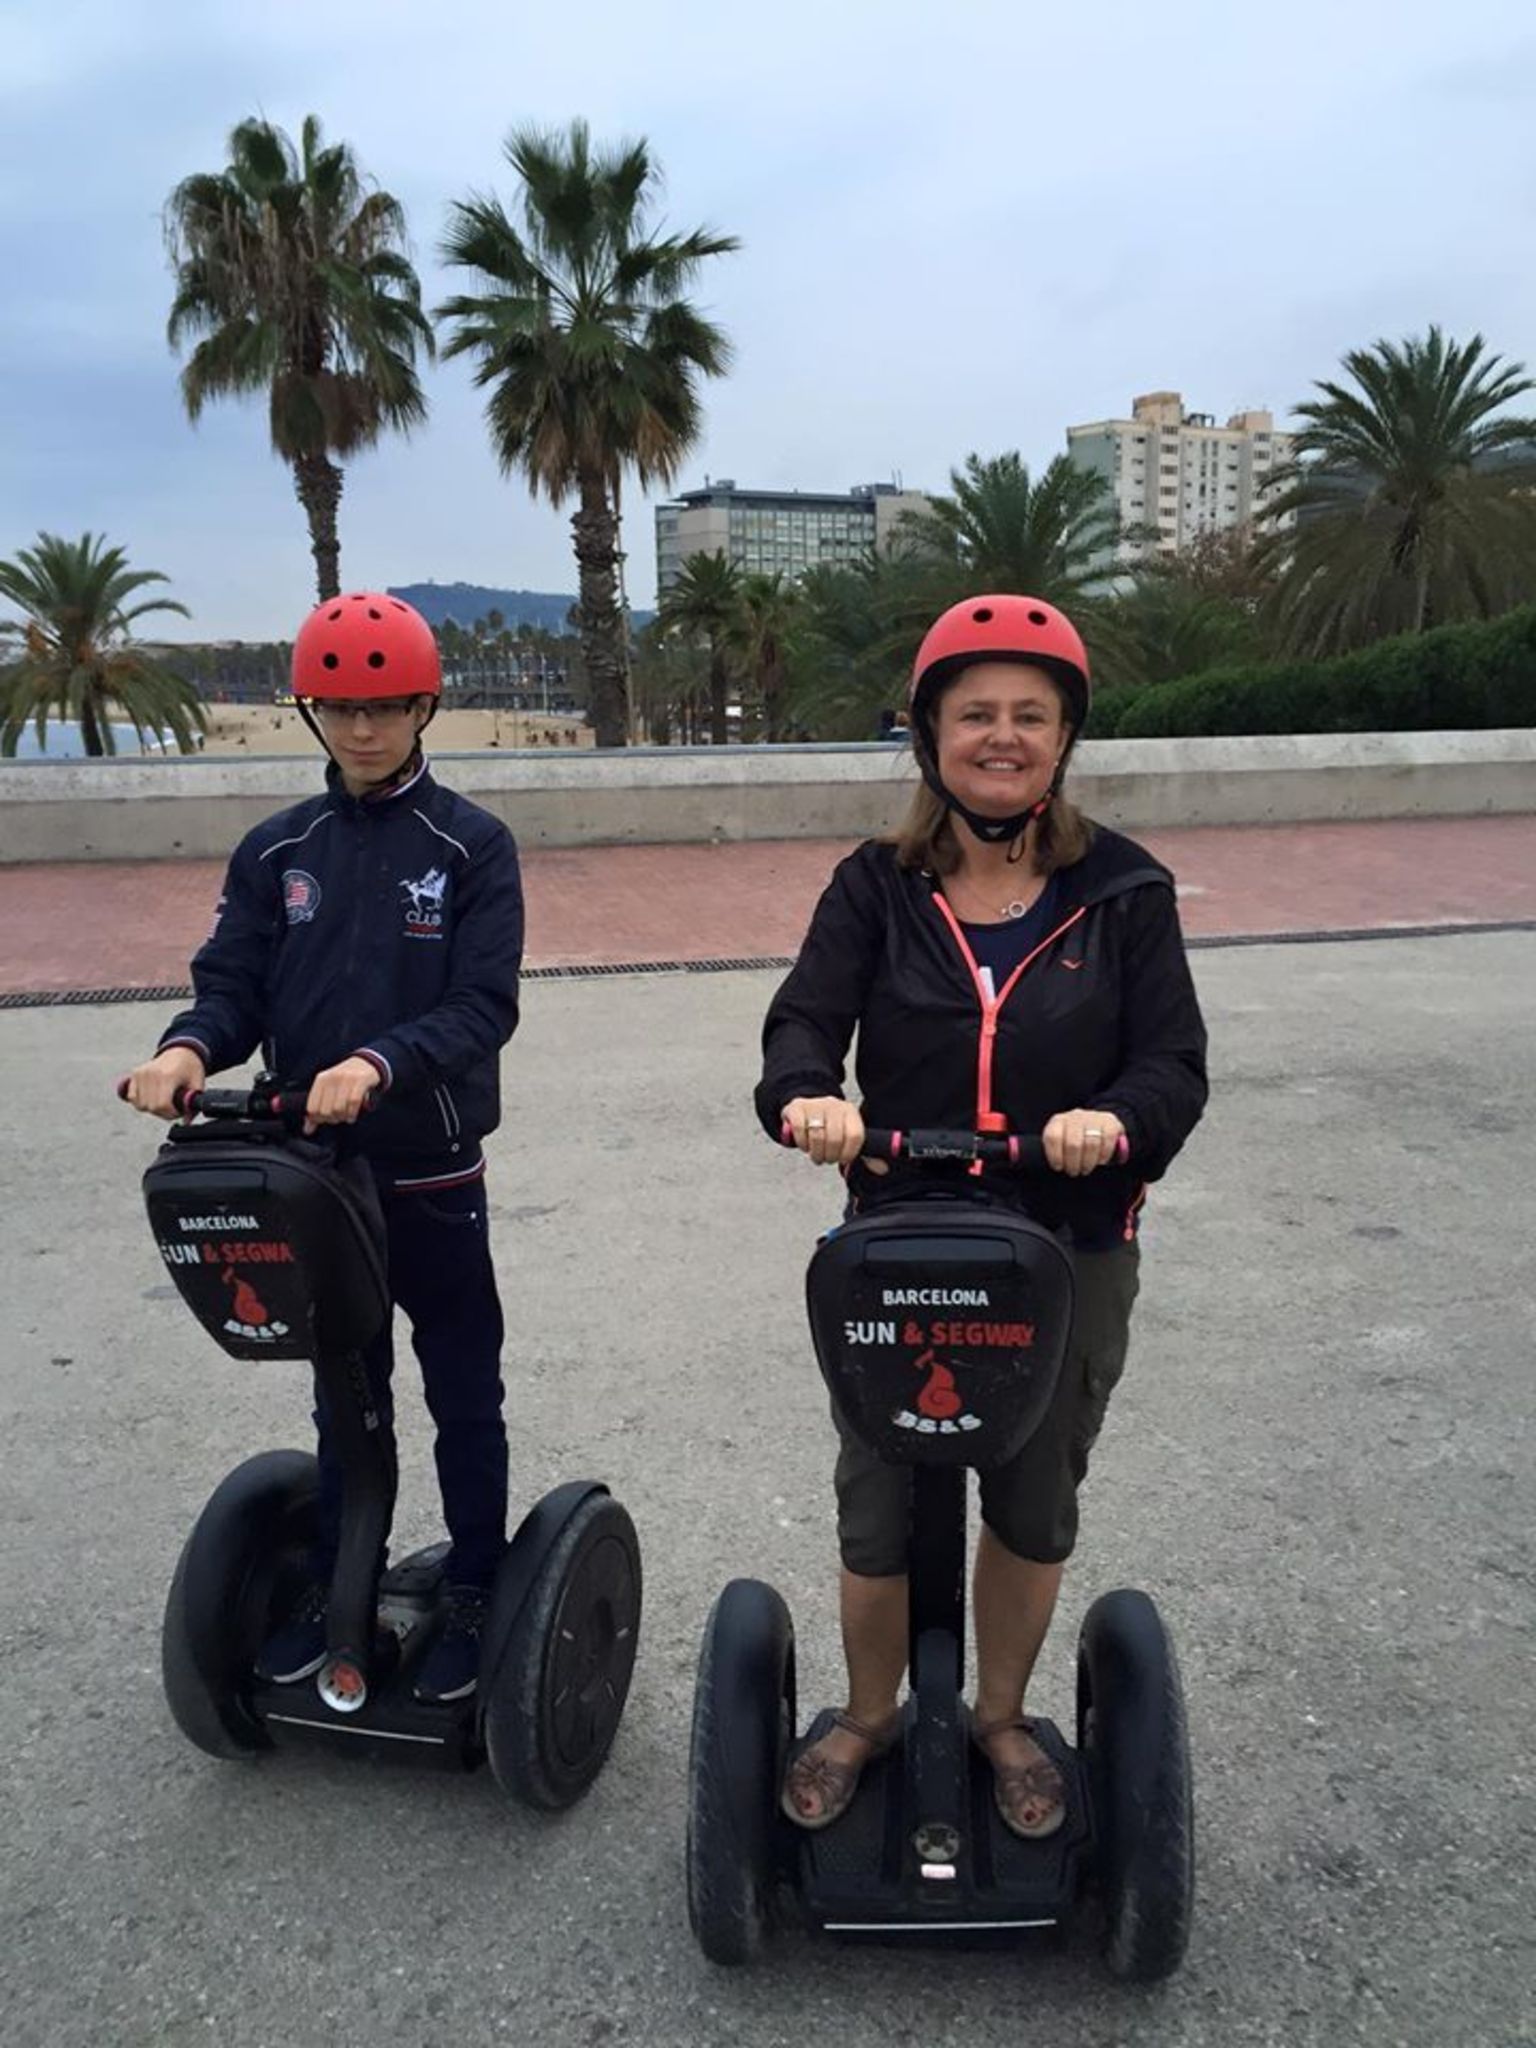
x=1038, y=619
x=358, y=598
x=335, y=614
x=982, y=614
x=399, y=607
x=330, y=661
x=375, y=660
x=373, y=614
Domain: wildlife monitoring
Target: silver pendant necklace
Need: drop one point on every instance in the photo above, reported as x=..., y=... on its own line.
x=1016, y=907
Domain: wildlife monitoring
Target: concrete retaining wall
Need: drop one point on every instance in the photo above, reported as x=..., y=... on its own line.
x=198, y=807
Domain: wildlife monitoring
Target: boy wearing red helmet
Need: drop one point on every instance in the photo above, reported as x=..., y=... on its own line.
x=1007, y=967
x=370, y=940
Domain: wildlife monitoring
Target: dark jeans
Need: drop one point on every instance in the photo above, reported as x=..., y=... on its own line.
x=440, y=1274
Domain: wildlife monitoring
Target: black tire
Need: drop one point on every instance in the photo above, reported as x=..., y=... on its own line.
x=1131, y=1731
x=244, y=1549
x=743, y=1724
x=558, y=1691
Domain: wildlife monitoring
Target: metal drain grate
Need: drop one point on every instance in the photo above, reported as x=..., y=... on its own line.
x=604, y=970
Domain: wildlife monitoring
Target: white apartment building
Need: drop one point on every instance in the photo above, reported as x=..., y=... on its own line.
x=778, y=532
x=1180, y=473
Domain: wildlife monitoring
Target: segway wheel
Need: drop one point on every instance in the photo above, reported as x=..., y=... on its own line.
x=246, y=1543
x=558, y=1692
x=743, y=1723
x=1131, y=1730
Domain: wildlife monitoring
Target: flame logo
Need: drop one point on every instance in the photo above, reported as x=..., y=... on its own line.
x=938, y=1398
x=249, y=1306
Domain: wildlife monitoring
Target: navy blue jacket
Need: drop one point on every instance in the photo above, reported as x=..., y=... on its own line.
x=391, y=928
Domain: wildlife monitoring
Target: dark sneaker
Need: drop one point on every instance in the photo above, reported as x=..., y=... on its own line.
x=297, y=1649
x=452, y=1665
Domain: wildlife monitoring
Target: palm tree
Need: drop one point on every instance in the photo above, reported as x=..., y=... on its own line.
x=292, y=269
x=77, y=656
x=1413, y=504
x=671, y=676
x=590, y=352
x=766, y=610
x=1194, y=609
x=1001, y=529
x=1164, y=627
x=853, y=641
x=703, y=605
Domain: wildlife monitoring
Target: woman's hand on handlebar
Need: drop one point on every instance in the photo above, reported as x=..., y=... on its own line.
x=155, y=1086
x=829, y=1131
x=1080, y=1140
x=339, y=1094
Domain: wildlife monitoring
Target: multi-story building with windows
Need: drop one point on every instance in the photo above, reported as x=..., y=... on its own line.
x=778, y=532
x=1176, y=474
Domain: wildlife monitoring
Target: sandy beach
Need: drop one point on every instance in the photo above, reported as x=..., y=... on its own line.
x=254, y=729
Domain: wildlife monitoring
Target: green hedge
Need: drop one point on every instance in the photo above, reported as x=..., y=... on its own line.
x=1454, y=678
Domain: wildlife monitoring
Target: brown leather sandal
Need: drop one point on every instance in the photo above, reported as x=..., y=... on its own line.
x=1031, y=1798
x=830, y=1783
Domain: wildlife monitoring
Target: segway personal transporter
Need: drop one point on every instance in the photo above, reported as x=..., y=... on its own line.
x=279, y=1253
x=940, y=1326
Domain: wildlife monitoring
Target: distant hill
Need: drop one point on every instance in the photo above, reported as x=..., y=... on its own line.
x=466, y=602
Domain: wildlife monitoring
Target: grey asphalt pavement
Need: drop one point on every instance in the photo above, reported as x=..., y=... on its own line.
x=1320, y=1462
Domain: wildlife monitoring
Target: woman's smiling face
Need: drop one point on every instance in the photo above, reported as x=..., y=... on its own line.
x=1000, y=729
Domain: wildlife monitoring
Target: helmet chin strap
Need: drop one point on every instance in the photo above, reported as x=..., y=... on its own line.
x=994, y=831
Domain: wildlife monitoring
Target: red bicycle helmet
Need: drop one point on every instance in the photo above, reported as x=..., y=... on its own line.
x=365, y=644
x=1001, y=628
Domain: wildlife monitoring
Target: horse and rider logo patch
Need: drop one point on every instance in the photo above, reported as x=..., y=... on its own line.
x=424, y=904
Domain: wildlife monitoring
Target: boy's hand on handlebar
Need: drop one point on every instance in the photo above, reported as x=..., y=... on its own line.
x=340, y=1094
x=1080, y=1140
x=154, y=1086
x=829, y=1131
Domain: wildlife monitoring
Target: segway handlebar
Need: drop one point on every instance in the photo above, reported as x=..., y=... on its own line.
x=965, y=1148
x=249, y=1105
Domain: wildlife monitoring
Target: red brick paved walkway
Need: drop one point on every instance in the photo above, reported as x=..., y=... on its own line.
x=87, y=926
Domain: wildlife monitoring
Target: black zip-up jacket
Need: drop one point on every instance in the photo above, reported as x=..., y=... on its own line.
x=390, y=927
x=1104, y=1016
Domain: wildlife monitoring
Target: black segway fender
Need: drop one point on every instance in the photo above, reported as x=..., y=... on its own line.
x=217, y=1610
x=559, y=1648
x=1131, y=1731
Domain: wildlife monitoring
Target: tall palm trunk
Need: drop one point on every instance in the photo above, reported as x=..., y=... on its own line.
x=318, y=483
x=770, y=683
x=719, y=681
x=90, y=728
x=600, y=626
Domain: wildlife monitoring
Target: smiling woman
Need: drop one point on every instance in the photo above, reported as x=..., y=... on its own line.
x=1007, y=968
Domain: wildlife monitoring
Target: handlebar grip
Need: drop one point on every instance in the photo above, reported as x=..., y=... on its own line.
x=1019, y=1154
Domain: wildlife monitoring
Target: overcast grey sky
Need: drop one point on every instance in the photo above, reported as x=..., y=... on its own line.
x=965, y=226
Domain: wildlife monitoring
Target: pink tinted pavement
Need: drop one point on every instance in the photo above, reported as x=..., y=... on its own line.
x=77, y=926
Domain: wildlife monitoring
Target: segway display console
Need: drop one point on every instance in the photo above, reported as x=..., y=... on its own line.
x=279, y=1251
x=940, y=1327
